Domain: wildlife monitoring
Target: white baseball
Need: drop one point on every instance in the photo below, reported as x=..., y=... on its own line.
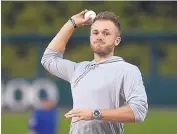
x=91, y=14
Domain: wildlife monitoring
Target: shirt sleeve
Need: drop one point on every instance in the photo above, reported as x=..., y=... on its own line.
x=33, y=122
x=135, y=94
x=53, y=62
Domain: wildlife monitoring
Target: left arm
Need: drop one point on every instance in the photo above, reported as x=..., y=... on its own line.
x=123, y=114
x=133, y=92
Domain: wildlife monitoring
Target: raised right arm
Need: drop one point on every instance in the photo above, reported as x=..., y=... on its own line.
x=60, y=40
x=52, y=59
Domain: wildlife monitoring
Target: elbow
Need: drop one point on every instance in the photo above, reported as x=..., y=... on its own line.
x=42, y=60
x=140, y=112
x=140, y=118
x=46, y=58
x=46, y=61
x=49, y=57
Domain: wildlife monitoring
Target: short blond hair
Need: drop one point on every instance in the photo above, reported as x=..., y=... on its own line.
x=108, y=16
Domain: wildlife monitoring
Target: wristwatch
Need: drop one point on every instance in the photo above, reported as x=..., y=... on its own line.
x=96, y=114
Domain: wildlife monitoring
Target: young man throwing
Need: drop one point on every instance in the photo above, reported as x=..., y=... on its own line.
x=107, y=91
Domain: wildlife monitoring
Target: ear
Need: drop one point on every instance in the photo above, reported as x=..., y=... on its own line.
x=117, y=41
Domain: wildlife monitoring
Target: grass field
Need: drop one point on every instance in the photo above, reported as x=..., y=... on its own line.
x=158, y=121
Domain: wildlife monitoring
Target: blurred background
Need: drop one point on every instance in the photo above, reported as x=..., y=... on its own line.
x=149, y=40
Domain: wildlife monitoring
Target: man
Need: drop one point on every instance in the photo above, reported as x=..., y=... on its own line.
x=44, y=119
x=107, y=91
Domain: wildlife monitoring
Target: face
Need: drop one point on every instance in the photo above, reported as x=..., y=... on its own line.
x=104, y=37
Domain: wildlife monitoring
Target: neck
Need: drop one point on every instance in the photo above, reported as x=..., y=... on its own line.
x=99, y=58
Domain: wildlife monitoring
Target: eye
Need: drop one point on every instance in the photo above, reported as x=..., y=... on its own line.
x=106, y=33
x=95, y=33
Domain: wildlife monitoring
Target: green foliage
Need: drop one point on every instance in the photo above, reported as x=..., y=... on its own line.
x=49, y=16
x=19, y=62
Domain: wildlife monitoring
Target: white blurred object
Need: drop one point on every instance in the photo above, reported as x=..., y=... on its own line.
x=91, y=14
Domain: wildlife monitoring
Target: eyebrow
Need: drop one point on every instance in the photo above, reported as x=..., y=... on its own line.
x=103, y=29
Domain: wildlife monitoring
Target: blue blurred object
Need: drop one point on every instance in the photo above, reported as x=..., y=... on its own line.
x=43, y=121
x=43, y=95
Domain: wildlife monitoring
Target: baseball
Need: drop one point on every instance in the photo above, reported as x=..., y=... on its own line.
x=91, y=14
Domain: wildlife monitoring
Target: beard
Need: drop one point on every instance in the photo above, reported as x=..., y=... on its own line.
x=102, y=50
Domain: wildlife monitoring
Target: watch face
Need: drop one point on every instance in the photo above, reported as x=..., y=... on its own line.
x=97, y=113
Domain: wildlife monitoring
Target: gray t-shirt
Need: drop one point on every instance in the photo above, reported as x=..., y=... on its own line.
x=100, y=85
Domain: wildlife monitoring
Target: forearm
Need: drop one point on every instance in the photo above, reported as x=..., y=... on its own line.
x=123, y=114
x=60, y=40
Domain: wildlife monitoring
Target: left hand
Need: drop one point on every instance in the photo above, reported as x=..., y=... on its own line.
x=81, y=113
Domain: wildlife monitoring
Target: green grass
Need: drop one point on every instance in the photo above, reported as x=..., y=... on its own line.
x=158, y=121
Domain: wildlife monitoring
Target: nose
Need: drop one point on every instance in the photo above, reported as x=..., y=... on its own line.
x=99, y=37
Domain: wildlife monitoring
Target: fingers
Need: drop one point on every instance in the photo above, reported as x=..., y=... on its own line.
x=80, y=20
x=87, y=23
x=83, y=12
x=88, y=19
x=73, y=113
x=81, y=114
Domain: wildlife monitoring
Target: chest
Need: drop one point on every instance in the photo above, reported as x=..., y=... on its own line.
x=98, y=80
